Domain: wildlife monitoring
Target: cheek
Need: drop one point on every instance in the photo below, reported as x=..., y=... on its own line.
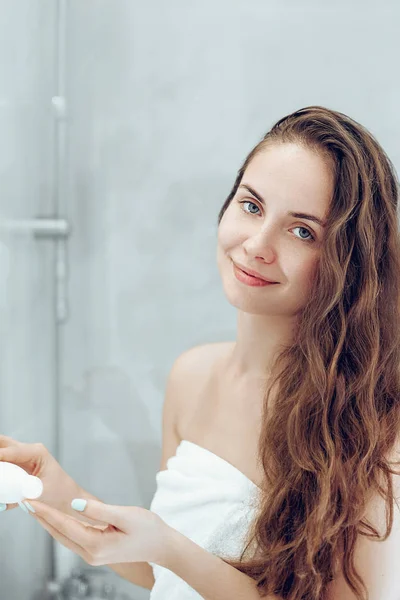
x=222, y=249
x=225, y=246
x=223, y=237
x=303, y=271
x=230, y=234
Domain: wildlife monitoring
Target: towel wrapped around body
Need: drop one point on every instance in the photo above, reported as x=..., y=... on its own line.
x=206, y=499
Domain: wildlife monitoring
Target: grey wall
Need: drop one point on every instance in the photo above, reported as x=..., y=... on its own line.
x=164, y=101
x=27, y=344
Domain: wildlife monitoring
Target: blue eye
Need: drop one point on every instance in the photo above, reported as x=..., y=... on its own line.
x=248, y=202
x=311, y=238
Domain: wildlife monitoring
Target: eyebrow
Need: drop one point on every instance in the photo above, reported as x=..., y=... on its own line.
x=297, y=215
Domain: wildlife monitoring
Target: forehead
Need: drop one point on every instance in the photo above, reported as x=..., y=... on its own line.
x=293, y=176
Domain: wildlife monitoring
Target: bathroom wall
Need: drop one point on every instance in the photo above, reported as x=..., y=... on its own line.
x=27, y=325
x=164, y=100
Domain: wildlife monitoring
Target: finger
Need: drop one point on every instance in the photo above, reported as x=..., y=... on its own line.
x=101, y=527
x=95, y=522
x=85, y=523
x=6, y=441
x=62, y=539
x=83, y=535
x=18, y=454
x=106, y=513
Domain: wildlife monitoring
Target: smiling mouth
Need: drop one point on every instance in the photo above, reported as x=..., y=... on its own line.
x=247, y=279
x=256, y=277
x=253, y=276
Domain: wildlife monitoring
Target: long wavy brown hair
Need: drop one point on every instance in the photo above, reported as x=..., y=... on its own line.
x=326, y=442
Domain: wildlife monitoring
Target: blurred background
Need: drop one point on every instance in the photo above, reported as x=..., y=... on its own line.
x=122, y=127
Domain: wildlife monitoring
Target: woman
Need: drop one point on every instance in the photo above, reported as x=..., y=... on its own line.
x=299, y=418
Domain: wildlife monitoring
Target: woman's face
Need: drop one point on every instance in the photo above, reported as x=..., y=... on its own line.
x=259, y=232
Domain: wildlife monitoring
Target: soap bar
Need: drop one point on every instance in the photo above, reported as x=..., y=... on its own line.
x=16, y=484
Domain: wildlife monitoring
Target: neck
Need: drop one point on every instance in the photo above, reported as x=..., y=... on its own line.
x=259, y=339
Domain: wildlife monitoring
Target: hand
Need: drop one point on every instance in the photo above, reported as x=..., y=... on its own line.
x=58, y=487
x=129, y=533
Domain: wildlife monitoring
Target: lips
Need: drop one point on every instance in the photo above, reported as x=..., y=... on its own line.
x=253, y=273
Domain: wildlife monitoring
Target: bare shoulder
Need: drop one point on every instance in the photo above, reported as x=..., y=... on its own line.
x=194, y=369
x=189, y=373
x=197, y=361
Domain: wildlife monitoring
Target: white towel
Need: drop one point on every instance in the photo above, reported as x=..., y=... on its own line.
x=209, y=501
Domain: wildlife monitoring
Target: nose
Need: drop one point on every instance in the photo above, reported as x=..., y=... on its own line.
x=261, y=246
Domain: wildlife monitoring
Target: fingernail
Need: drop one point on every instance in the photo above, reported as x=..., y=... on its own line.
x=21, y=504
x=78, y=504
x=29, y=507
x=3, y=507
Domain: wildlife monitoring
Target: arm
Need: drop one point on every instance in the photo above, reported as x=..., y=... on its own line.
x=208, y=574
x=139, y=573
x=376, y=562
